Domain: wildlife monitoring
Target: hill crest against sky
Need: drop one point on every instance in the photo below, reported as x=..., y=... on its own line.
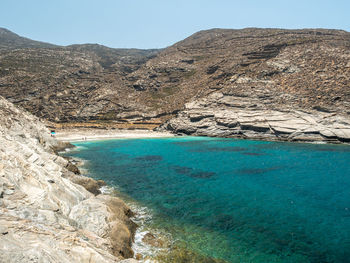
x=158, y=24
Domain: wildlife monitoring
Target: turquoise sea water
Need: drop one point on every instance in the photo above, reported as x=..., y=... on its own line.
x=236, y=200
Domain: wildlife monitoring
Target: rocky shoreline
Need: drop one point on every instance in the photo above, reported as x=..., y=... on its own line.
x=149, y=243
x=249, y=117
x=47, y=213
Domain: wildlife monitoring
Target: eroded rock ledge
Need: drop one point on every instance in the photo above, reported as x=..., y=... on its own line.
x=228, y=115
x=44, y=216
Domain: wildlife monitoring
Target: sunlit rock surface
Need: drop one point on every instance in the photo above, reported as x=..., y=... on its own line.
x=227, y=115
x=44, y=217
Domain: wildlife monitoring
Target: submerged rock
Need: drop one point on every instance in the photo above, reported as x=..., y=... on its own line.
x=152, y=240
x=249, y=171
x=182, y=170
x=202, y=175
x=149, y=158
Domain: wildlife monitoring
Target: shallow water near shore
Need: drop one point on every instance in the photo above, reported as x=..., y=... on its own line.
x=235, y=200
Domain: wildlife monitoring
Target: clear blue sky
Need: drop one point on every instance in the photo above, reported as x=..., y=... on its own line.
x=160, y=23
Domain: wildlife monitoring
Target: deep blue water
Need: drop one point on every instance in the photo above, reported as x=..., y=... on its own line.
x=237, y=200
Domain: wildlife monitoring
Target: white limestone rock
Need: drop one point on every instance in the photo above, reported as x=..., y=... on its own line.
x=45, y=217
x=236, y=116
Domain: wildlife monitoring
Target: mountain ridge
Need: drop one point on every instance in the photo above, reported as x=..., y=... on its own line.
x=10, y=40
x=93, y=85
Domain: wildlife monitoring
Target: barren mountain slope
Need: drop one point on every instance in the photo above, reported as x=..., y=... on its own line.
x=62, y=84
x=305, y=69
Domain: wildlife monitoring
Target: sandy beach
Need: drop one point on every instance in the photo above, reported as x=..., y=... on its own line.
x=74, y=135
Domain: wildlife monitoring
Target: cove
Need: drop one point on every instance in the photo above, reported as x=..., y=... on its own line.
x=236, y=200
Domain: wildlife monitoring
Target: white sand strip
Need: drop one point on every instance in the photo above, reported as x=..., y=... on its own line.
x=74, y=135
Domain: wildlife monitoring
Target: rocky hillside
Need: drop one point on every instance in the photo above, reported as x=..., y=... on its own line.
x=67, y=84
x=279, y=84
x=284, y=70
x=44, y=215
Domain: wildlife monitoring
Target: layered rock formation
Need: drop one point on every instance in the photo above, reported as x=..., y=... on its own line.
x=227, y=115
x=44, y=216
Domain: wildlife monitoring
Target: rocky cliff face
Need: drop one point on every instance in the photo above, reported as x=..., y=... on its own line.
x=303, y=70
x=44, y=216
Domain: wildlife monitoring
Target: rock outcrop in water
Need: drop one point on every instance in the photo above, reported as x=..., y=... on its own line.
x=44, y=216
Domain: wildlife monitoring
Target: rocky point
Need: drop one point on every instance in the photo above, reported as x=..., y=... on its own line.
x=44, y=215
